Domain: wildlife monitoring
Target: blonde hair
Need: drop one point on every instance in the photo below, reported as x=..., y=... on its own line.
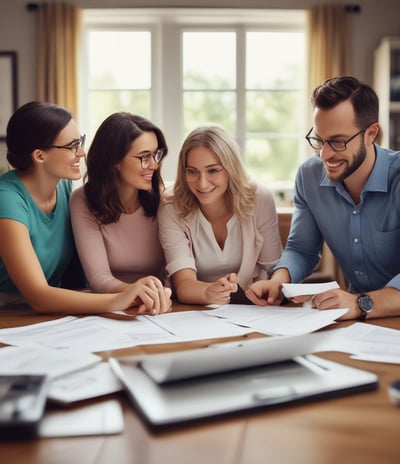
x=241, y=190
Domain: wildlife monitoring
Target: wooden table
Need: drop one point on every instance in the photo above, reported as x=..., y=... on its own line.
x=360, y=428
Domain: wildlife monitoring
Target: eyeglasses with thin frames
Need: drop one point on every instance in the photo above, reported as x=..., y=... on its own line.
x=336, y=145
x=193, y=175
x=145, y=158
x=73, y=146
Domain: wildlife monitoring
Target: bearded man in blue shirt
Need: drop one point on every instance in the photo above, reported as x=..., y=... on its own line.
x=349, y=196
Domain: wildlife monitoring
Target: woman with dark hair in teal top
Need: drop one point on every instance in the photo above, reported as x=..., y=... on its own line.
x=45, y=149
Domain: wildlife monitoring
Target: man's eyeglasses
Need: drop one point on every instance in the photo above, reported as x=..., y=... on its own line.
x=336, y=145
x=73, y=146
x=145, y=159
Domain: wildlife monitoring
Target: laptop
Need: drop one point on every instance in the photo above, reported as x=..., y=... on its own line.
x=177, y=388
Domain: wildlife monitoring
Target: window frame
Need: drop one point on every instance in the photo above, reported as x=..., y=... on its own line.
x=167, y=26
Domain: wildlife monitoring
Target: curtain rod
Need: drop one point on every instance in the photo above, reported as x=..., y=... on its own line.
x=353, y=8
x=32, y=6
x=349, y=8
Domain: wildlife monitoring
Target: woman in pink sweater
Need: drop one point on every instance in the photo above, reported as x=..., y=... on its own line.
x=114, y=214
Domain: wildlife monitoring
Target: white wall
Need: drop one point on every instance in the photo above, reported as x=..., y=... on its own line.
x=378, y=18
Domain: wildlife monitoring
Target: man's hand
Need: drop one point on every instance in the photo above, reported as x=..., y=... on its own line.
x=265, y=292
x=337, y=298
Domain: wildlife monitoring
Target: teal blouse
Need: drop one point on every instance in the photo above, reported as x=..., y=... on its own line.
x=50, y=234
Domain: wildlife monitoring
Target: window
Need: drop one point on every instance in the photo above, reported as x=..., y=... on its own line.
x=243, y=69
x=116, y=82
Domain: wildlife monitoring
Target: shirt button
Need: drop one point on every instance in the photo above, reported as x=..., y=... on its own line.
x=355, y=240
x=355, y=212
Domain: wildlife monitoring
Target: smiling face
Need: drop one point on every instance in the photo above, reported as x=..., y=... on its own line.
x=338, y=123
x=131, y=173
x=206, y=177
x=62, y=162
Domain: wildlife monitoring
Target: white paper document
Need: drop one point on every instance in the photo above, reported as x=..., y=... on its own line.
x=84, y=333
x=368, y=342
x=197, y=325
x=42, y=360
x=105, y=418
x=88, y=383
x=96, y=333
x=278, y=320
x=292, y=290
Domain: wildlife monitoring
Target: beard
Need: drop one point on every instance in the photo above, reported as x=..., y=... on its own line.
x=358, y=160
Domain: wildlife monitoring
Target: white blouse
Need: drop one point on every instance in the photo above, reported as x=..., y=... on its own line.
x=224, y=261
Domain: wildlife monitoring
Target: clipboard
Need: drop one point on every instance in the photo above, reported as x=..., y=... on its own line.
x=247, y=386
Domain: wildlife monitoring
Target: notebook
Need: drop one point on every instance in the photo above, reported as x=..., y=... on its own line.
x=100, y=418
x=166, y=397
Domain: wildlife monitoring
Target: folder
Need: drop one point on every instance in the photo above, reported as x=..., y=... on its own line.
x=176, y=388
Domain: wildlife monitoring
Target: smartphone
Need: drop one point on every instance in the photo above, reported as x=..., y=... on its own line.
x=22, y=404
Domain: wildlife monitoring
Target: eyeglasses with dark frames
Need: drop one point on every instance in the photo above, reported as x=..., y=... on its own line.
x=336, y=145
x=73, y=146
x=145, y=158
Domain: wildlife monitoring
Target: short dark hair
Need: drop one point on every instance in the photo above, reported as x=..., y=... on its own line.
x=110, y=144
x=339, y=89
x=34, y=125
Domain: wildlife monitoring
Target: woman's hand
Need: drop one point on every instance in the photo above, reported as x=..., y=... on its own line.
x=147, y=295
x=219, y=292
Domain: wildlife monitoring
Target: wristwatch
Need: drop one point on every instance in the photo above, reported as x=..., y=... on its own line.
x=366, y=305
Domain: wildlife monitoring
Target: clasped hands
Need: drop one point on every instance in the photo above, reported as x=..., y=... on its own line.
x=146, y=295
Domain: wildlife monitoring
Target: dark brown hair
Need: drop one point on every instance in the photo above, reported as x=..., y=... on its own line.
x=34, y=125
x=111, y=143
x=339, y=89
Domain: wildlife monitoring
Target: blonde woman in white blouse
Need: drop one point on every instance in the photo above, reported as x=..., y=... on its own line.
x=218, y=228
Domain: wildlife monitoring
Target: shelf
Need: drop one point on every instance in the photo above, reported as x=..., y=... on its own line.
x=387, y=85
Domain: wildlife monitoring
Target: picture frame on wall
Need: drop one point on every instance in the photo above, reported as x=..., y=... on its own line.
x=8, y=89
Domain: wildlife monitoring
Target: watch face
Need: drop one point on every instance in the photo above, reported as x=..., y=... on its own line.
x=365, y=303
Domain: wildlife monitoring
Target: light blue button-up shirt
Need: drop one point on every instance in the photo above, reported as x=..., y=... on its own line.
x=364, y=237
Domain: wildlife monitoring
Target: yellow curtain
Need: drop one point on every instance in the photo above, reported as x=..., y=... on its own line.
x=329, y=55
x=58, y=38
x=329, y=43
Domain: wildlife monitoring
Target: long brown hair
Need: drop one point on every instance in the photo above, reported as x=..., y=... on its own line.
x=111, y=143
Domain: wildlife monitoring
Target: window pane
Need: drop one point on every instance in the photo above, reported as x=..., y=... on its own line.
x=102, y=103
x=273, y=111
x=274, y=60
x=117, y=62
x=215, y=107
x=217, y=66
x=270, y=159
x=209, y=60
